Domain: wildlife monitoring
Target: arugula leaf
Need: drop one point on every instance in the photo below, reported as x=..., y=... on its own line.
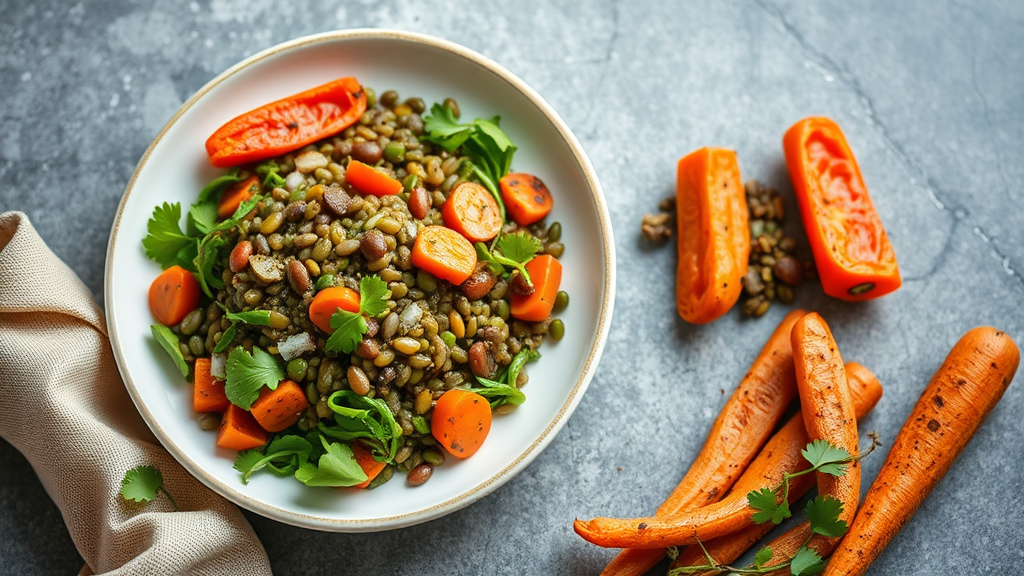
x=368, y=418
x=823, y=513
x=765, y=502
x=165, y=241
x=248, y=374
x=168, y=340
x=806, y=562
x=140, y=484
x=826, y=458
x=284, y=456
x=336, y=467
x=763, y=556
x=349, y=327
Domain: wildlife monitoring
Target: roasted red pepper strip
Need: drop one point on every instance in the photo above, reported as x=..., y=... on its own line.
x=287, y=124
x=852, y=252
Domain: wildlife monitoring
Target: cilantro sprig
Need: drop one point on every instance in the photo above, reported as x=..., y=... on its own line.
x=772, y=505
x=512, y=250
x=336, y=467
x=370, y=419
x=349, y=327
x=490, y=150
x=142, y=483
x=502, y=390
x=247, y=374
x=283, y=457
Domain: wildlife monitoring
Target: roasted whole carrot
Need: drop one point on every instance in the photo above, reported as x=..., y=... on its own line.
x=365, y=460
x=527, y=199
x=865, y=392
x=287, y=124
x=368, y=180
x=714, y=238
x=444, y=253
x=461, y=422
x=960, y=395
x=208, y=392
x=281, y=407
x=741, y=428
x=326, y=303
x=546, y=274
x=239, y=430
x=732, y=514
x=235, y=194
x=852, y=253
x=173, y=294
x=471, y=211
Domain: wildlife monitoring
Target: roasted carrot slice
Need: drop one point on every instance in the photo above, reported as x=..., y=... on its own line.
x=714, y=239
x=461, y=422
x=326, y=303
x=471, y=211
x=367, y=180
x=852, y=253
x=235, y=194
x=365, y=460
x=281, y=407
x=208, y=392
x=287, y=124
x=527, y=199
x=444, y=253
x=546, y=273
x=239, y=430
x=173, y=294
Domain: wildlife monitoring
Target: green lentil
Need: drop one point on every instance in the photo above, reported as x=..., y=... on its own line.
x=325, y=281
x=394, y=152
x=420, y=424
x=448, y=338
x=433, y=456
x=554, y=232
x=561, y=300
x=556, y=330
x=410, y=182
x=297, y=369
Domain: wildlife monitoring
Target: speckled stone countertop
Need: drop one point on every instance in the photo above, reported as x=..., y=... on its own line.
x=930, y=95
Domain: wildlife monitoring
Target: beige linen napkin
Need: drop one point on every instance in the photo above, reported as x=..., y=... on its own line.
x=67, y=411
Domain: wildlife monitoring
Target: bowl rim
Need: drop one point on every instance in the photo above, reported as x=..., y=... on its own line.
x=523, y=459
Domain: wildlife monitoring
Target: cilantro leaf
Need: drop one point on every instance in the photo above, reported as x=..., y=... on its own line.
x=208, y=250
x=373, y=296
x=336, y=467
x=368, y=418
x=140, y=484
x=168, y=340
x=767, y=506
x=521, y=246
x=165, y=241
x=826, y=458
x=284, y=456
x=202, y=217
x=763, y=556
x=823, y=513
x=246, y=460
x=349, y=328
x=806, y=562
x=248, y=374
x=484, y=255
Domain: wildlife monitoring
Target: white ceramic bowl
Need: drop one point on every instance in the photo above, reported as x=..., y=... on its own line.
x=175, y=168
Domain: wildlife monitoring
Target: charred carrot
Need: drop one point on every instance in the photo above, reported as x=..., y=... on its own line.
x=326, y=303
x=527, y=199
x=208, y=392
x=461, y=422
x=852, y=253
x=365, y=460
x=546, y=273
x=281, y=407
x=714, y=240
x=173, y=294
x=741, y=428
x=235, y=194
x=471, y=211
x=368, y=180
x=287, y=124
x=970, y=382
x=239, y=430
x=444, y=253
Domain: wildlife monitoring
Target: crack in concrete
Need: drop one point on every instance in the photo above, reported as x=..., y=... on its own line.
x=939, y=198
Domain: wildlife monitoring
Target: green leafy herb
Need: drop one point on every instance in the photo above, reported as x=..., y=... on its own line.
x=141, y=484
x=823, y=513
x=357, y=416
x=208, y=250
x=168, y=340
x=284, y=456
x=202, y=216
x=513, y=250
x=419, y=423
x=806, y=562
x=503, y=390
x=765, y=501
x=763, y=556
x=248, y=374
x=337, y=466
x=165, y=242
x=269, y=172
x=349, y=327
x=826, y=458
x=254, y=317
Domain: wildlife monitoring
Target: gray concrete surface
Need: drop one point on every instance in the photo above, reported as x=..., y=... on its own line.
x=930, y=94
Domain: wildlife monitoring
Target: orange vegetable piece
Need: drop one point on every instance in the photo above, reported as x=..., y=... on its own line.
x=278, y=409
x=326, y=303
x=365, y=460
x=714, y=239
x=368, y=180
x=444, y=253
x=208, y=392
x=527, y=199
x=546, y=273
x=173, y=294
x=287, y=124
x=461, y=422
x=471, y=211
x=239, y=430
x=854, y=258
x=235, y=194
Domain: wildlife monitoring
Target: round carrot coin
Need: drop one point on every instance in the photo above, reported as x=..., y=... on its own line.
x=527, y=199
x=471, y=211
